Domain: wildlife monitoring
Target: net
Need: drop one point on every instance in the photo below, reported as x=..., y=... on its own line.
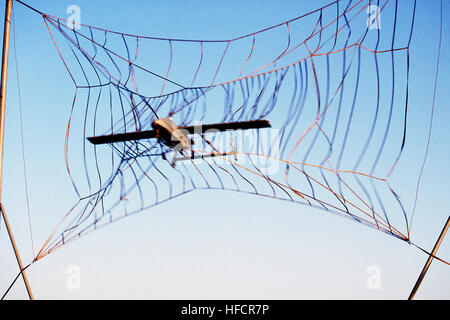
x=333, y=83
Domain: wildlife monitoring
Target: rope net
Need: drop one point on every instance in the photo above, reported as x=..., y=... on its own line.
x=329, y=147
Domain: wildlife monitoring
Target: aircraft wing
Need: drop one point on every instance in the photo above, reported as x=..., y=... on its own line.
x=148, y=134
x=121, y=137
x=240, y=125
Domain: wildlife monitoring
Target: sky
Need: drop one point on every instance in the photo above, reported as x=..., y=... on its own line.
x=215, y=244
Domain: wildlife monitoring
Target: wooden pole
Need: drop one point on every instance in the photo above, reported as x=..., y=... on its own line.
x=16, y=252
x=430, y=259
x=4, y=76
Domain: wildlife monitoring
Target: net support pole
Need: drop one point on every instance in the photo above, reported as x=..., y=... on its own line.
x=4, y=75
x=430, y=259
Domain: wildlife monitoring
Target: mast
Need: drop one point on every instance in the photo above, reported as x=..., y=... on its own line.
x=430, y=259
x=4, y=75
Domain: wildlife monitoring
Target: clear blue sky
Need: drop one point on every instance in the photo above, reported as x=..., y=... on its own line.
x=209, y=244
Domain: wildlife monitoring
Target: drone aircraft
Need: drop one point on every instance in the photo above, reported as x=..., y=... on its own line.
x=177, y=138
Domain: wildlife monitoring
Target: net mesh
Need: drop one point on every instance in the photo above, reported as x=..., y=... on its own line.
x=333, y=84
